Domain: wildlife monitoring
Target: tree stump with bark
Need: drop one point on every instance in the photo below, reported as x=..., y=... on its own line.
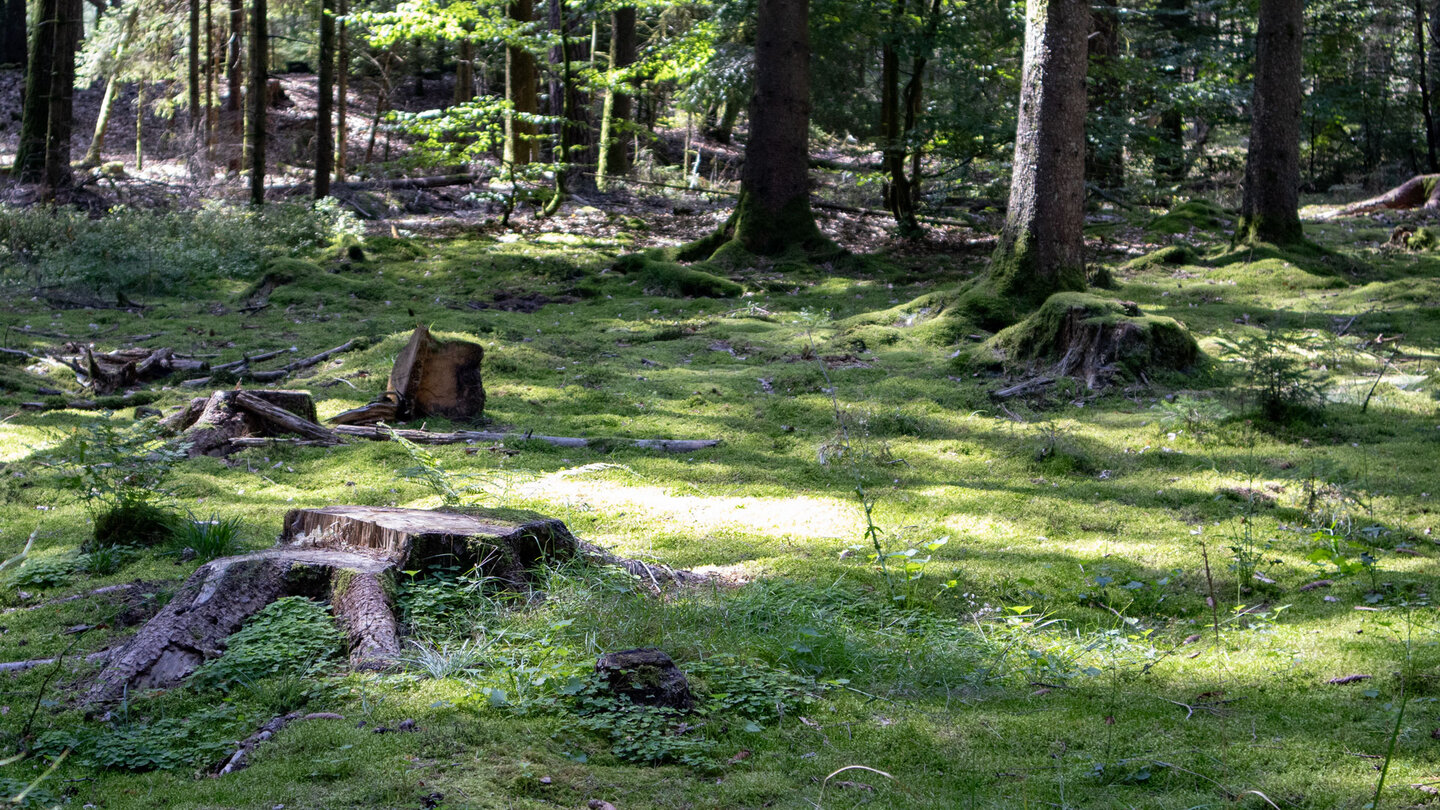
x=209, y=424
x=348, y=554
x=431, y=377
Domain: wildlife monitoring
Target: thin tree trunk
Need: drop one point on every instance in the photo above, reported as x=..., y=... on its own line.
x=1432, y=75
x=235, y=68
x=465, y=73
x=94, y=155
x=210, y=68
x=623, y=51
x=39, y=78
x=1426, y=112
x=1041, y=249
x=1105, y=153
x=1174, y=17
x=70, y=26
x=13, y=33
x=324, y=118
x=1270, y=209
x=895, y=191
x=139, y=125
x=342, y=100
x=520, y=91
x=259, y=79
x=192, y=80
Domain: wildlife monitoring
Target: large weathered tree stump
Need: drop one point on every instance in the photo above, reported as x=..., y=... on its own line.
x=210, y=423
x=431, y=377
x=348, y=554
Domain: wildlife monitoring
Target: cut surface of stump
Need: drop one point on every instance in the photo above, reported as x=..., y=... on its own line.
x=1092, y=338
x=347, y=554
x=431, y=377
x=209, y=423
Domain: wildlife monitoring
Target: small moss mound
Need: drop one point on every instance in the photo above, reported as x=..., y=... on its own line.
x=1423, y=239
x=133, y=524
x=1172, y=256
x=1201, y=215
x=1091, y=338
x=672, y=278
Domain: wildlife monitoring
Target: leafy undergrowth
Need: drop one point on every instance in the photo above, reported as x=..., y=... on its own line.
x=1078, y=599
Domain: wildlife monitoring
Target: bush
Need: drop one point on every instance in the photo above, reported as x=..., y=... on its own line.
x=130, y=250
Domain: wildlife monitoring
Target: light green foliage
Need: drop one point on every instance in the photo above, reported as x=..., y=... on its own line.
x=1279, y=380
x=134, y=251
x=291, y=636
x=1195, y=215
x=210, y=538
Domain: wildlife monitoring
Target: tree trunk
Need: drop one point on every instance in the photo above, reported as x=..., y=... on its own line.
x=13, y=33
x=1041, y=249
x=623, y=52
x=1105, y=151
x=1174, y=18
x=61, y=118
x=342, y=100
x=1270, y=209
x=94, y=155
x=234, y=65
x=1426, y=111
x=259, y=79
x=324, y=117
x=39, y=78
x=521, y=92
x=895, y=191
x=210, y=70
x=139, y=125
x=1432, y=75
x=576, y=133
x=465, y=73
x=773, y=212
x=192, y=76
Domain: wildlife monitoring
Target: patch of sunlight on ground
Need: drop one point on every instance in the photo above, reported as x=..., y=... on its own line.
x=798, y=516
x=19, y=441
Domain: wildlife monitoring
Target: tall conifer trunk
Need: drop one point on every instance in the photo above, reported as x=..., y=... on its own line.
x=1271, y=205
x=259, y=80
x=324, y=117
x=521, y=92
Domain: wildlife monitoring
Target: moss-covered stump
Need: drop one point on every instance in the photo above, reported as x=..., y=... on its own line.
x=1197, y=215
x=1172, y=256
x=646, y=677
x=1093, y=339
x=208, y=424
x=348, y=554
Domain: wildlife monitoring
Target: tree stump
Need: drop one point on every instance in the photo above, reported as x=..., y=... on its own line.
x=1420, y=191
x=647, y=677
x=348, y=554
x=431, y=377
x=209, y=423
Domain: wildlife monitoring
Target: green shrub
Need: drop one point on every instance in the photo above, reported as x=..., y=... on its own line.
x=291, y=636
x=130, y=250
x=129, y=522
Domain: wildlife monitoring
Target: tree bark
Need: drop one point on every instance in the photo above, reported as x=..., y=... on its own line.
x=1426, y=109
x=43, y=152
x=1270, y=209
x=94, y=156
x=234, y=65
x=465, y=72
x=13, y=45
x=773, y=212
x=259, y=79
x=623, y=52
x=1041, y=249
x=192, y=76
x=324, y=113
x=342, y=100
x=1174, y=18
x=521, y=92
x=1105, y=156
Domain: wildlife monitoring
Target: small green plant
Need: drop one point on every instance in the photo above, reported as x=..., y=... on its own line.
x=444, y=660
x=484, y=487
x=1278, y=379
x=119, y=473
x=1196, y=417
x=291, y=636
x=44, y=573
x=444, y=602
x=102, y=561
x=281, y=694
x=211, y=538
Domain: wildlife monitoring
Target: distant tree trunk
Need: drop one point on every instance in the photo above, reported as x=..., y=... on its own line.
x=623, y=52
x=259, y=79
x=894, y=191
x=1041, y=249
x=1432, y=75
x=210, y=71
x=465, y=73
x=1427, y=114
x=342, y=101
x=1270, y=209
x=773, y=212
x=94, y=155
x=1105, y=153
x=43, y=152
x=324, y=117
x=234, y=67
x=521, y=92
x=575, y=132
x=13, y=33
x=192, y=79
x=1174, y=17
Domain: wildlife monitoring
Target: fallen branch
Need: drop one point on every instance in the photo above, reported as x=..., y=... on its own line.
x=282, y=419
x=438, y=181
x=241, y=757
x=1024, y=387
x=463, y=436
x=21, y=666
x=71, y=598
x=657, y=574
x=280, y=373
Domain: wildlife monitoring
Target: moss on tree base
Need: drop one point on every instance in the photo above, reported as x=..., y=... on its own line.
x=1080, y=335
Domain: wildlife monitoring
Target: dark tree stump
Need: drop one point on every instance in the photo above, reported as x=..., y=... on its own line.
x=348, y=554
x=646, y=676
x=431, y=377
x=209, y=423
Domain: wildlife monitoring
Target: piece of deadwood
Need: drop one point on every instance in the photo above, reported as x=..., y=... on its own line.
x=461, y=436
x=647, y=677
x=209, y=424
x=431, y=377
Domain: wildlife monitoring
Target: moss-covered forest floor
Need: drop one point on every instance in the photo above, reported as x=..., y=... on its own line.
x=1088, y=599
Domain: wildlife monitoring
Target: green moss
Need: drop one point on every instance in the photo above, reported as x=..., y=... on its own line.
x=1173, y=255
x=672, y=278
x=1200, y=215
x=1150, y=342
x=1423, y=239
